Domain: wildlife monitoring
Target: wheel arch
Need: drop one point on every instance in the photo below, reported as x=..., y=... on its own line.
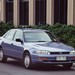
x=26, y=51
x=0, y=47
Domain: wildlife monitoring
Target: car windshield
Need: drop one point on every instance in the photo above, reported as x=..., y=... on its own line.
x=39, y=37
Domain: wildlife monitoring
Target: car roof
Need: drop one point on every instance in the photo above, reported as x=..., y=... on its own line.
x=34, y=30
x=30, y=30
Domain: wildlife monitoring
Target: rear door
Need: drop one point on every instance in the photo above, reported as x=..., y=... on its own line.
x=11, y=47
x=7, y=42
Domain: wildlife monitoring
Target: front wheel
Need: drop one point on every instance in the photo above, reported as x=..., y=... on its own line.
x=68, y=66
x=3, y=58
x=27, y=61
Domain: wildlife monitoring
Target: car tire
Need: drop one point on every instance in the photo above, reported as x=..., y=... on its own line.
x=27, y=61
x=67, y=66
x=3, y=58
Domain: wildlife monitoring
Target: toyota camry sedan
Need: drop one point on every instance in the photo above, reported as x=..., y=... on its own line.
x=35, y=46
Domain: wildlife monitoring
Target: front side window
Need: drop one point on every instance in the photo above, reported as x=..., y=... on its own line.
x=38, y=37
x=18, y=35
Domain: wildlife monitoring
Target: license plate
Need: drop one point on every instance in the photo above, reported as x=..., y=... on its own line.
x=61, y=58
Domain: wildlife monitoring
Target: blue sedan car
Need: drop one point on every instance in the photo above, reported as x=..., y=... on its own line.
x=35, y=46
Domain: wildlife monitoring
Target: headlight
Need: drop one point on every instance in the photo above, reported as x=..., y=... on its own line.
x=41, y=52
x=72, y=52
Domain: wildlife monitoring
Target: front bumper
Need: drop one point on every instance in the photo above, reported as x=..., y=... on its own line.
x=52, y=59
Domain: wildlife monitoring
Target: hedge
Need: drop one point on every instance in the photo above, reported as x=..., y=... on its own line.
x=5, y=27
x=65, y=32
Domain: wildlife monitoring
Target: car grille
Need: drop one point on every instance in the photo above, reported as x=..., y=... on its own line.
x=59, y=52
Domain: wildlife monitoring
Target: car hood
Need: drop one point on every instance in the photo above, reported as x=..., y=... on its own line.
x=51, y=46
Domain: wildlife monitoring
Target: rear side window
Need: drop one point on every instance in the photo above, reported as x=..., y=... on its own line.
x=6, y=34
x=10, y=35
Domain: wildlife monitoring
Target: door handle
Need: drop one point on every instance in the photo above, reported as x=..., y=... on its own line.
x=2, y=41
x=11, y=43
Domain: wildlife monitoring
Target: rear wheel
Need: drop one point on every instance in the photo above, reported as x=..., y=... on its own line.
x=3, y=58
x=27, y=61
x=67, y=66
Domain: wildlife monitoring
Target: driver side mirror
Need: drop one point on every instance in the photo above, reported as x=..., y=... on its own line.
x=19, y=40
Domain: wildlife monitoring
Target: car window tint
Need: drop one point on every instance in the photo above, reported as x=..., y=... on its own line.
x=6, y=34
x=18, y=35
x=10, y=35
x=36, y=37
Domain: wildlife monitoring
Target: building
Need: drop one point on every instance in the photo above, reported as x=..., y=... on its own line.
x=35, y=12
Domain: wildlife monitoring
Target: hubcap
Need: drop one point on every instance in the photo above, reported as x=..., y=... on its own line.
x=1, y=55
x=27, y=61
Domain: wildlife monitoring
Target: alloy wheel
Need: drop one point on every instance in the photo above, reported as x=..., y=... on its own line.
x=27, y=61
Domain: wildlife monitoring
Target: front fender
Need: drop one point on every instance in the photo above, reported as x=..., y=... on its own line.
x=30, y=50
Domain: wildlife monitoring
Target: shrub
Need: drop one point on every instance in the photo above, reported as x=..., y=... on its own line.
x=66, y=32
x=4, y=27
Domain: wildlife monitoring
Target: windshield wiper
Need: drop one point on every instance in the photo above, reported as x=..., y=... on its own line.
x=40, y=41
x=37, y=41
x=55, y=41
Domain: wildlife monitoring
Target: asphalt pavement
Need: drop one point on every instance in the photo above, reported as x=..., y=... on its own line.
x=13, y=67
